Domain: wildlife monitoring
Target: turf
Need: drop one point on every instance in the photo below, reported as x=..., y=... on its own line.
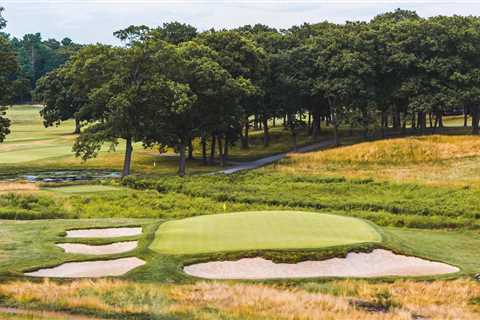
x=260, y=230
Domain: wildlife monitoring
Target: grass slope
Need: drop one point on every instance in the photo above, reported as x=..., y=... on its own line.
x=433, y=159
x=260, y=230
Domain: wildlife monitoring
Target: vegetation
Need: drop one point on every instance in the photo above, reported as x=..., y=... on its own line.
x=177, y=96
x=168, y=86
x=435, y=160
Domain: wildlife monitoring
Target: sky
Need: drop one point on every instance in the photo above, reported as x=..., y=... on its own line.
x=90, y=21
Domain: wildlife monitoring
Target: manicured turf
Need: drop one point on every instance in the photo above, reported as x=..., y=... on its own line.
x=260, y=230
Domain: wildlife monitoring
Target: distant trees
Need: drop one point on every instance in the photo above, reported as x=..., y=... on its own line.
x=171, y=85
x=8, y=67
x=37, y=57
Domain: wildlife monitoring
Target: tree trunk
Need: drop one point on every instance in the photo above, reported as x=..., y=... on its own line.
x=77, y=126
x=128, y=158
x=396, y=119
x=255, y=122
x=316, y=125
x=465, y=116
x=333, y=118
x=440, y=119
x=382, y=124
x=204, y=150
x=225, y=151
x=309, y=121
x=273, y=122
x=430, y=119
x=475, y=118
x=190, y=149
x=182, y=160
x=266, y=133
x=220, y=151
x=404, y=124
x=212, y=150
x=245, y=137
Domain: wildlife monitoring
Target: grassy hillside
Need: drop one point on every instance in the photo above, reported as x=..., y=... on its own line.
x=435, y=159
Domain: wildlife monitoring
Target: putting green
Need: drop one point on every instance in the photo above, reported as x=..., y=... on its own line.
x=260, y=230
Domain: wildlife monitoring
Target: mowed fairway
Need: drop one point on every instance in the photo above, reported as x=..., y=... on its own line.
x=260, y=230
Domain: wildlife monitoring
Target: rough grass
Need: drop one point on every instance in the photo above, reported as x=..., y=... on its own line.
x=216, y=300
x=398, y=151
x=436, y=159
x=259, y=231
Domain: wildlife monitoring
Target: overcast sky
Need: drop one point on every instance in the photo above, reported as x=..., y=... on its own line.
x=88, y=21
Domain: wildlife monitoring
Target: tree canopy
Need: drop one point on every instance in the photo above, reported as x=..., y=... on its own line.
x=170, y=85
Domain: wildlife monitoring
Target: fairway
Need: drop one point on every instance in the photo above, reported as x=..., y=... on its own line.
x=260, y=230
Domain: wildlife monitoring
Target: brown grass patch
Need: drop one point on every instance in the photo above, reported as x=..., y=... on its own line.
x=436, y=160
x=220, y=300
x=18, y=186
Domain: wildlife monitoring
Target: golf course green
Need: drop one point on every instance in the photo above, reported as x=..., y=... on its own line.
x=260, y=231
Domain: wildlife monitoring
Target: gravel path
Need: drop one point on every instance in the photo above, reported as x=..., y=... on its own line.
x=375, y=264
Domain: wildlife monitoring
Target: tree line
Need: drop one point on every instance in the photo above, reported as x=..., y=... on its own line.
x=171, y=85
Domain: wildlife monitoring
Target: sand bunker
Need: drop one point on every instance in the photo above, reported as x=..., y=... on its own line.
x=375, y=264
x=90, y=269
x=104, y=233
x=114, y=248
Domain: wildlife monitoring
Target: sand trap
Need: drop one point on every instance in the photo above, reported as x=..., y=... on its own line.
x=114, y=248
x=90, y=269
x=104, y=233
x=375, y=264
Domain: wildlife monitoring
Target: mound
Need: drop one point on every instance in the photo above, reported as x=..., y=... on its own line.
x=403, y=150
x=260, y=230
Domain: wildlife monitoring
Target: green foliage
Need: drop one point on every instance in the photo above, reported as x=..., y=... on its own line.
x=381, y=202
x=29, y=207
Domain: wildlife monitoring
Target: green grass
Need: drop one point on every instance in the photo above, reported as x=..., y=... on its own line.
x=30, y=245
x=459, y=248
x=31, y=147
x=83, y=189
x=260, y=230
x=27, y=245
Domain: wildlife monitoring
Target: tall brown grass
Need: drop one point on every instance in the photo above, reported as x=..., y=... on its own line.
x=223, y=300
x=436, y=159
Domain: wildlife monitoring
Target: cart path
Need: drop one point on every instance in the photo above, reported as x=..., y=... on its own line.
x=250, y=165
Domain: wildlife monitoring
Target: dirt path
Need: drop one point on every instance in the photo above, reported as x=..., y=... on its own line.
x=271, y=159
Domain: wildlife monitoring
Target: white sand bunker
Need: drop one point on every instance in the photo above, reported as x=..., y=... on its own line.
x=375, y=264
x=90, y=269
x=114, y=248
x=104, y=233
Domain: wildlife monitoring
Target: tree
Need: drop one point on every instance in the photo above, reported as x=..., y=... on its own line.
x=345, y=69
x=8, y=67
x=54, y=90
x=243, y=59
x=213, y=85
x=134, y=100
